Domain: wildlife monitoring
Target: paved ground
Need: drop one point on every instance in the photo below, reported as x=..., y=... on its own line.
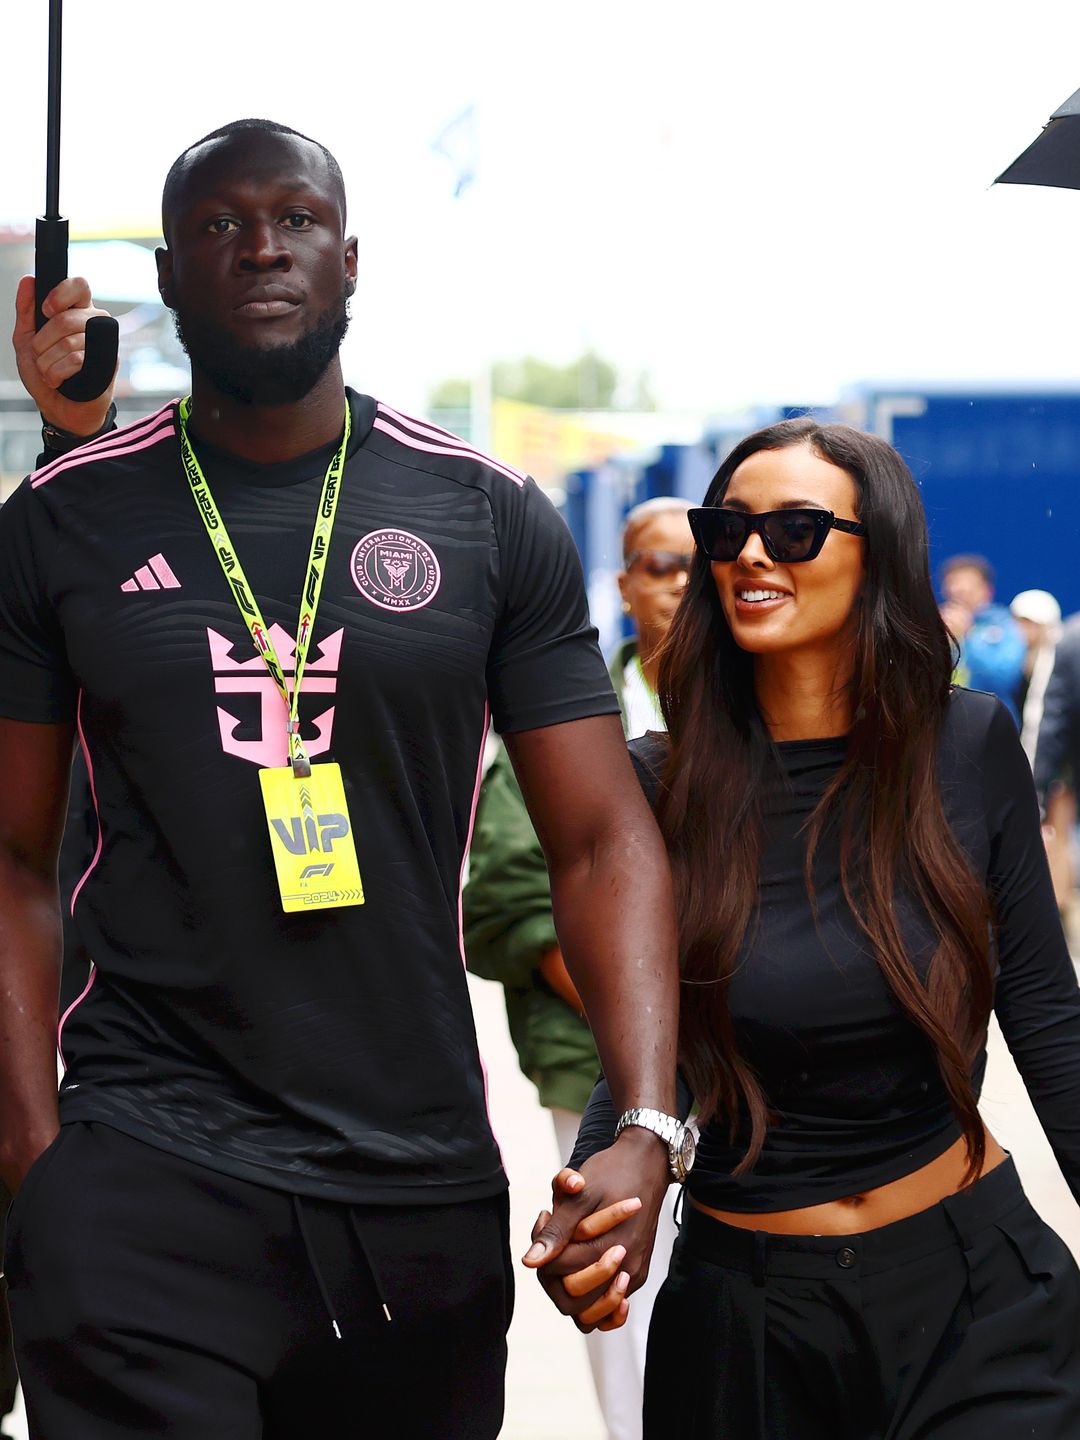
x=549, y=1395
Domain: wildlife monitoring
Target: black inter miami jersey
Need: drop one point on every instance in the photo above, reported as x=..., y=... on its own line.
x=331, y=1053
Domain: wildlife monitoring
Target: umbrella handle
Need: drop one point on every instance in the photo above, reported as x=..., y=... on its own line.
x=102, y=331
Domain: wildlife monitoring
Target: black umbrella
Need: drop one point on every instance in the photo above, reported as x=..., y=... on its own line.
x=51, y=245
x=1054, y=158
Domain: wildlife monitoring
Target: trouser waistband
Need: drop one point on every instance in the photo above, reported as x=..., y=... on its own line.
x=956, y=1220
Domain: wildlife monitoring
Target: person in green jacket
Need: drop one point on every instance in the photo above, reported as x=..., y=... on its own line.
x=510, y=934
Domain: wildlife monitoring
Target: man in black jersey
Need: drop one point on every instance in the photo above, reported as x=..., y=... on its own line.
x=270, y=1197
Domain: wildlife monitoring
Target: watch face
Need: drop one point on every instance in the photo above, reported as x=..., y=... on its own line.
x=687, y=1149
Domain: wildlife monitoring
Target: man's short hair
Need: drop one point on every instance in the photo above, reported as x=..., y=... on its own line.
x=978, y=563
x=237, y=127
x=647, y=510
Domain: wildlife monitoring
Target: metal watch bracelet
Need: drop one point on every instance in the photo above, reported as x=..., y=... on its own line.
x=679, y=1138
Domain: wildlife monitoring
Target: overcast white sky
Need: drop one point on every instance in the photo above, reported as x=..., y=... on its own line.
x=754, y=201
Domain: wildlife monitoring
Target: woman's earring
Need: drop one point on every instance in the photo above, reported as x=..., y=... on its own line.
x=626, y=607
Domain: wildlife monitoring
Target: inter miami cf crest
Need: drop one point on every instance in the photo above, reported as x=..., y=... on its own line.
x=395, y=570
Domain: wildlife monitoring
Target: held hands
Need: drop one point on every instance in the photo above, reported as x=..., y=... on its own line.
x=48, y=357
x=592, y=1250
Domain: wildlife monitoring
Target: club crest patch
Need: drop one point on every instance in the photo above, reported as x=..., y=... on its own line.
x=395, y=570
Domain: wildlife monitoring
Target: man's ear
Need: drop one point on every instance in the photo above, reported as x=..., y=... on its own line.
x=163, y=260
x=351, y=264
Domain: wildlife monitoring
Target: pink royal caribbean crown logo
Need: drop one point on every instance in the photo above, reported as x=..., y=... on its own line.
x=395, y=570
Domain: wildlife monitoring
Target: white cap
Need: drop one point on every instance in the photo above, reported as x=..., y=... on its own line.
x=1038, y=606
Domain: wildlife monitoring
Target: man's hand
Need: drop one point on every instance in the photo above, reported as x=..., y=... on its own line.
x=49, y=356
x=595, y=1233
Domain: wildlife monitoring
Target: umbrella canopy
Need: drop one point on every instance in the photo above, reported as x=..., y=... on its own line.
x=1054, y=158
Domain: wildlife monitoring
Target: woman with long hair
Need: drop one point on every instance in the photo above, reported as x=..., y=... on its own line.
x=860, y=880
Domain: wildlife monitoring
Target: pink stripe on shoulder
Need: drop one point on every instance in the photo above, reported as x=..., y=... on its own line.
x=424, y=427
x=120, y=436
x=118, y=442
x=459, y=451
x=436, y=432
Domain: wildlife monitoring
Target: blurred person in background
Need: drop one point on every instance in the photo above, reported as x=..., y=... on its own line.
x=1057, y=751
x=657, y=550
x=1039, y=616
x=991, y=644
x=510, y=931
x=1057, y=765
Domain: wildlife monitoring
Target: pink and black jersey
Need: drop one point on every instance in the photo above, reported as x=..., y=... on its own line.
x=333, y=1053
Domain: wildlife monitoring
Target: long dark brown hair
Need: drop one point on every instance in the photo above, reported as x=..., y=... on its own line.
x=885, y=798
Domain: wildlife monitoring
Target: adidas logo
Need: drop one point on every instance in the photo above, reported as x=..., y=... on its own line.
x=156, y=574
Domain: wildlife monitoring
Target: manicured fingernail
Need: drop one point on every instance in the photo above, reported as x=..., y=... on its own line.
x=616, y=1253
x=534, y=1253
x=575, y=1182
x=622, y=1280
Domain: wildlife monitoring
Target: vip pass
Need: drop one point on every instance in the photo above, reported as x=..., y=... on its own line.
x=310, y=834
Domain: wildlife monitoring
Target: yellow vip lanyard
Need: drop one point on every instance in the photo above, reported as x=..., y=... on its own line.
x=245, y=596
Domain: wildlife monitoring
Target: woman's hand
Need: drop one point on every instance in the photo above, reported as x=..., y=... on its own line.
x=610, y=1311
x=600, y=1229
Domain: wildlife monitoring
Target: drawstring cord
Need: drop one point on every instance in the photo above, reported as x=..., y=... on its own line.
x=309, y=1251
x=370, y=1263
x=313, y=1261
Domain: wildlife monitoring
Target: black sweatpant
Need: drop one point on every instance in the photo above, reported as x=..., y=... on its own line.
x=153, y=1297
x=9, y=1380
x=959, y=1323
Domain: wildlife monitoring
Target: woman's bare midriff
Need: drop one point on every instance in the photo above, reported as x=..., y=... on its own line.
x=870, y=1210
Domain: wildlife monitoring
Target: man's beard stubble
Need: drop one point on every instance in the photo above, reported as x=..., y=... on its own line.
x=257, y=375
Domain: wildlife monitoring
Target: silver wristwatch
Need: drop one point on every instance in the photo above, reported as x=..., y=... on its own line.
x=679, y=1138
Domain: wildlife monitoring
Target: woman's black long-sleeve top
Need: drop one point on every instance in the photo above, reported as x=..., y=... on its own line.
x=852, y=1083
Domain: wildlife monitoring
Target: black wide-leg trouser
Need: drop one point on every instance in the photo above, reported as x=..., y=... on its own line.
x=153, y=1297
x=959, y=1323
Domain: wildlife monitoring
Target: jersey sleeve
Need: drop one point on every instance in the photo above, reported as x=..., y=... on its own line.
x=36, y=683
x=545, y=665
x=1037, y=999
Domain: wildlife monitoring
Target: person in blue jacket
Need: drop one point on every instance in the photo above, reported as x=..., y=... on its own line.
x=991, y=643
